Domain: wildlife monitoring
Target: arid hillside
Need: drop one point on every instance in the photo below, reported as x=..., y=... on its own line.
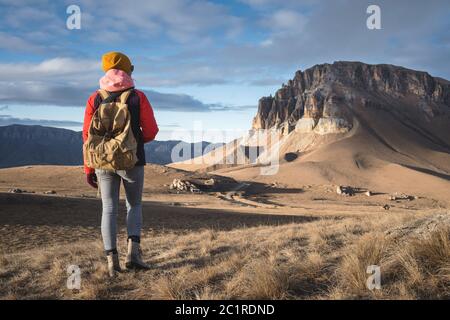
x=379, y=127
x=237, y=239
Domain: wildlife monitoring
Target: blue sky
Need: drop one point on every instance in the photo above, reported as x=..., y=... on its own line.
x=202, y=63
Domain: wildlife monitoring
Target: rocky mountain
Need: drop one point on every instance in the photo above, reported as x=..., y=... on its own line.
x=348, y=123
x=26, y=145
x=323, y=97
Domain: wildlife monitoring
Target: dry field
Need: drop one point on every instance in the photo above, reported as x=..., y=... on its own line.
x=267, y=243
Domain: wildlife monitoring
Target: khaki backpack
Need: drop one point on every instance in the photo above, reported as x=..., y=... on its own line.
x=111, y=144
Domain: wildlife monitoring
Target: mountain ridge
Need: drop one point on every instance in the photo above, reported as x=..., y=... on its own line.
x=35, y=144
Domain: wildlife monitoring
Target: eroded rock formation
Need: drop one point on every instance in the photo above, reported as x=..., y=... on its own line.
x=321, y=99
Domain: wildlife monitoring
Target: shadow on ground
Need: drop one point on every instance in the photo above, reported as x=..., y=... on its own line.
x=37, y=210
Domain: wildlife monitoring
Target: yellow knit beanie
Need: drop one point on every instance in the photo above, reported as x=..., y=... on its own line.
x=116, y=60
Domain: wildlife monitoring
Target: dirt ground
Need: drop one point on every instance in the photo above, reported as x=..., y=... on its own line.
x=244, y=240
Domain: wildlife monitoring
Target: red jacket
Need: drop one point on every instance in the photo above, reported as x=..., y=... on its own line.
x=148, y=123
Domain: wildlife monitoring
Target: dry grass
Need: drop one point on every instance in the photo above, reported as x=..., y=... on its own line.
x=321, y=259
x=422, y=269
x=414, y=268
x=370, y=250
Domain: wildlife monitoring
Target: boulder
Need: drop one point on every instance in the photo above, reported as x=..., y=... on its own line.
x=398, y=197
x=184, y=185
x=345, y=191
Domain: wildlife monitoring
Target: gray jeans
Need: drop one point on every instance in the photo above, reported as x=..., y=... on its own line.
x=109, y=183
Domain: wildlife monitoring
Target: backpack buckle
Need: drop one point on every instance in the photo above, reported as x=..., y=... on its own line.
x=108, y=135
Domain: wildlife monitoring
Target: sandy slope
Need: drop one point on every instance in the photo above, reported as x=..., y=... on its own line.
x=383, y=152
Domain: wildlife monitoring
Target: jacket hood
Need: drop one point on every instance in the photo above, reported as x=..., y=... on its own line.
x=116, y=80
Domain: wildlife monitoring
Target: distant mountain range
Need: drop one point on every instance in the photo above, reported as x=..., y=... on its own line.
x=31, y=145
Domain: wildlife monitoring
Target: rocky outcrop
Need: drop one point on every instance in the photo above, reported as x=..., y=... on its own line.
x=421, y=228
x=184, y=185
x=321, y=99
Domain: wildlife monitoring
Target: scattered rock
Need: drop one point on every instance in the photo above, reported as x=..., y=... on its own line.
x=386, y=207
x=368, y=193
x=345, y=191
x=86, y=196
x=184, y=185
x=290, y=156
x=396, y=197
x=50, y=192
x=176, y=204
x=421, y=228
x=210, y=182
x=17, y=190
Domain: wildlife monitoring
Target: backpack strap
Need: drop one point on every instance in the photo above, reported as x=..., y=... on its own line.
x=107, y=97
x=103, y=94
x=124, y=96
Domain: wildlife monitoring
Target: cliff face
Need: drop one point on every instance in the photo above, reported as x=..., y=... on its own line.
x=321, y=99
x=346, y=123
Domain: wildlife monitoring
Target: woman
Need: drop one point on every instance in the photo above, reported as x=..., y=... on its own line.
x=118, y=70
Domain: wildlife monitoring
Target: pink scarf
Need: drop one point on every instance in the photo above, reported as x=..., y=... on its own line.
x=116, y=80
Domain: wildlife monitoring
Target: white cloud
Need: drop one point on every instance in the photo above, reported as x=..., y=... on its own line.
x=267, y=43
x=287, y=20
x=50, y=70
x=68, y=82
x=13, y=43
x=257, y=2
x=336, y=30
x=193, y=43
x=28, y=14
x=263, y=4
x=283, y=22
x=181, y=20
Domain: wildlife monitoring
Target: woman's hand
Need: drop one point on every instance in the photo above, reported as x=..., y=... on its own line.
x=91, y=179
